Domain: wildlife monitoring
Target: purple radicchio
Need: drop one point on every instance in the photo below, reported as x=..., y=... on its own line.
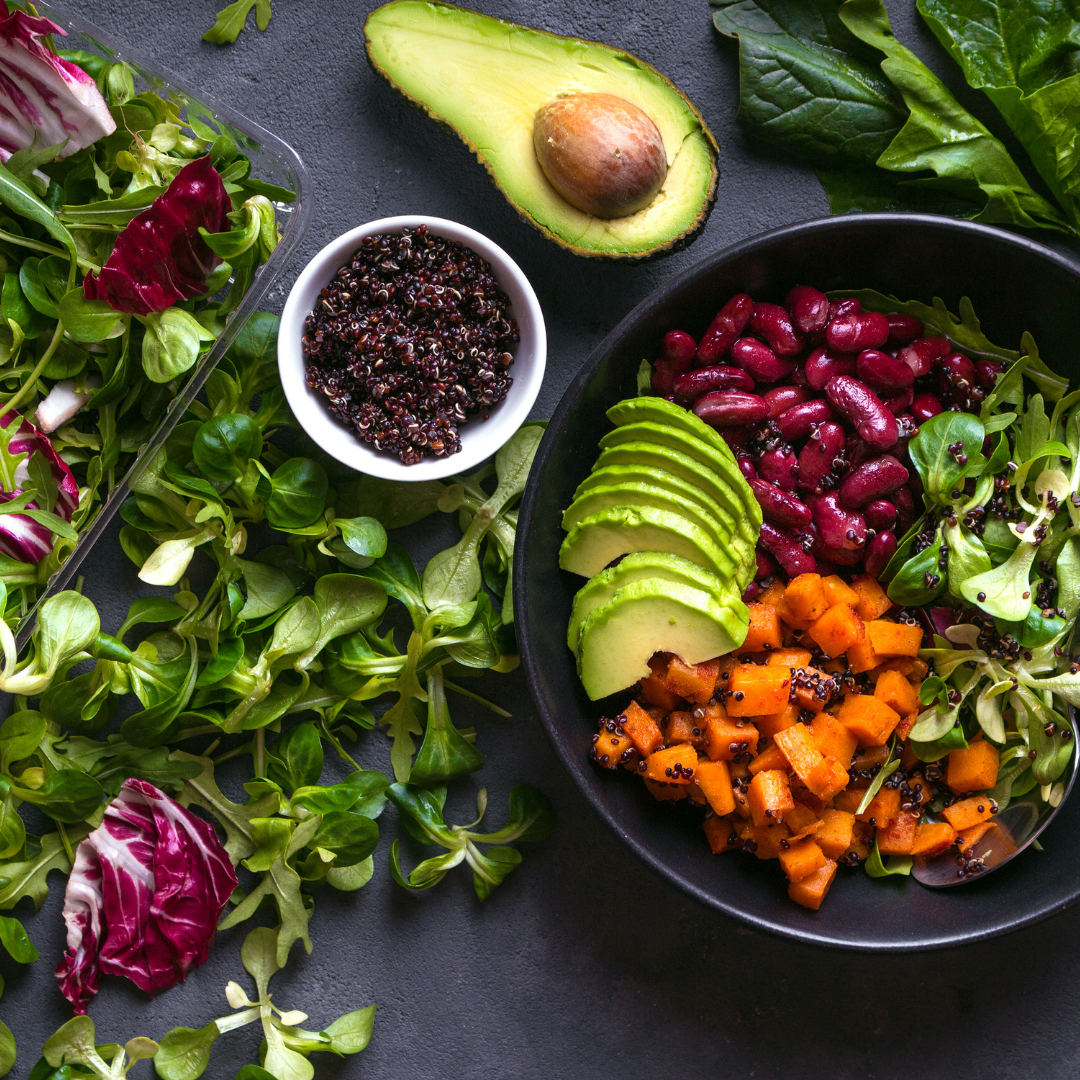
x=144, y=896
x=43, y=95
x=160, y=258
x=21, y=537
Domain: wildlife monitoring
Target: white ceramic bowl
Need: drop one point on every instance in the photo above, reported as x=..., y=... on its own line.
x=479, y=438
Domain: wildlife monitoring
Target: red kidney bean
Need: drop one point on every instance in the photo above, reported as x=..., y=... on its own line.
x=924, y=406
x=689, y=387
x=797, y=422
x=853, y=333
x=751, y=592
x=809, y=308
x=838, y=527
x=735, y=437
x=766, y=564
x=730, y=408
x=864, y=410
x=904, y=502
x=676, y=356
x=780, y=507
x=872, y=480
x=837, y=308
x=826, y=555
x=823, y=364
x=880, y=514
x=798, y=376
x=780, y=398
x=957, y=372
x=817, y=456
x=760, y=361
x=903, y=329
x=880, y=371
x=780, y=468
x=987, y=371
x=787, y=549
x=730, y=322
x=915, y=485
x=878, y=553
x=773, y=323
x=900, y=403
x=746, y=466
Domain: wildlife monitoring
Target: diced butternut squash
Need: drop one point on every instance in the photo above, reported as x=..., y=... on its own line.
x=801, y=859
x=769, y=797
x=789, y=658
x=903, y=664
x=611, y=745
x=800, y=750
x=770, y=725
x=883, y=809
x=933, y=838
x=868, y=718
x=765, y=838
x=803, y=601
x=672, y=765
x=802, y=821
x=812, y=689
x=908, y=758
x=696, y=682
x=643, y=730
x=758, y=690
x=802, y=794
x=772, y=594
x=667, y=792
x=897, y=692
x=680, y=727
x=771, y=757
x=899, y=837
x=695, y=794
x=894, y=639
x=727, y=737
x=827, y=779
x=873, y=601
x=764, y=629
x=721, y=834
x=861, y=657
x=836, y=832
x=967, y=812
x=656, y=693
x=925, y=790
x=832, y=738
x=868, y=756
x=715, y=782
x=903, y=729
x=968, y=838
x=837, y=591
x=811, y=890
x=838, y=630
x=849, y=799
x=974, y=768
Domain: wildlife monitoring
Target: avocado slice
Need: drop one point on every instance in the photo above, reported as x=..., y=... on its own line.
x=486, y=78
x=641, y=566
x=614, y=475
x=650, y=616
x=652, y=455
x=599, y=539
x=658, y=410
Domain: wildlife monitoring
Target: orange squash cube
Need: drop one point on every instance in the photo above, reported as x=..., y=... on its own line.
x=837, y=630
x=766, y=838
x=727, y=738
x=672, y=765
x=715, y=782
x=695, y=682
x=610, y=746
x=894, y=639
x=832, y=738
x=770, y=725
x=772, y=595
x=680, y=727
x=861, y=657
x=933, y=838
x=800, y=750
x=643, y=730
x=757, y=690
x=811, y=890
x=771, y=757
x=721, y=834
x=806, y=682
x=924, y=789
x=764, y=629
x=827, y=779
x=967, y=812
x=868, y=718
x=769, y=797
x=837, y=591
x=653, y=689
x=899, y=837
x=802, y=821
x=873, y=600
x=667, y=792
x=849, y=799
x=903, y=729
x=803, y=601
x=836, y=832
x=801, y=859
x=897, y=693
x=884, y=808
x=968, y=838
x=973, y=769
x=789, y=658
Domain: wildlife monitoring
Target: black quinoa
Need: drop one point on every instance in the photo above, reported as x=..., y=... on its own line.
x=411, y=338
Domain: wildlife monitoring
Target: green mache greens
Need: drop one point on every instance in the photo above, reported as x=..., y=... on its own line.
x=828, y=81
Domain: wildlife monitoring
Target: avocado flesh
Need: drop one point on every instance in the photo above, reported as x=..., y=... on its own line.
x=605, y=536
x=486, y=78
x=614, y=475
x=644, y=566
x=650, y=616
x=653, y=455
x=658, y=410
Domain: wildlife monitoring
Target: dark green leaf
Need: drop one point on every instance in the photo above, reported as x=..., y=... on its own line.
x=444, y=754
x=225, y=444
x=939, y=466
x=68, y=795
x=13, y=938
x=295, y=757
x=299, y=494
x=351, y=837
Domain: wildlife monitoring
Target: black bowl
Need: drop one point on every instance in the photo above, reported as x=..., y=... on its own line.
x=1015, y=285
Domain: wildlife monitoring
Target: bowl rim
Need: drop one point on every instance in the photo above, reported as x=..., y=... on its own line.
x=480, y=438
x=532, y=658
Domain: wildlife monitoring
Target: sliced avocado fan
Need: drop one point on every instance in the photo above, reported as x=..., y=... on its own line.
x=649, y=616
x=485, y=79
x=658, y=410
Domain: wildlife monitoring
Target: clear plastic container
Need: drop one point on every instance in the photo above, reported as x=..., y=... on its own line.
x=273, y=161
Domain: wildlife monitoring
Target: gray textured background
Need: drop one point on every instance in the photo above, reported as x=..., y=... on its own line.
x=583, y=964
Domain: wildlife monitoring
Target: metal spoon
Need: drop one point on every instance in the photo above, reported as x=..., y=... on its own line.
x=1018, y=825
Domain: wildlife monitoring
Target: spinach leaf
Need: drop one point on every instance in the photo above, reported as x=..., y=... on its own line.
x=225, y=444
x=946, y=447
x=295, y=758
x=921, y=579
x=298, y=496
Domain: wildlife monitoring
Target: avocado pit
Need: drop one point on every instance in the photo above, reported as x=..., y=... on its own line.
x=601, y=153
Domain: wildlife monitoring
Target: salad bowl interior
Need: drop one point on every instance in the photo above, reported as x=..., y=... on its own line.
x=1014, y=284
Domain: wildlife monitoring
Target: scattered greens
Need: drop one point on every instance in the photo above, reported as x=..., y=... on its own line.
x=232, y=19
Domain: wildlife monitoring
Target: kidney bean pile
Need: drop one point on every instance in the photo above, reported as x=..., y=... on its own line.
x=818, y=400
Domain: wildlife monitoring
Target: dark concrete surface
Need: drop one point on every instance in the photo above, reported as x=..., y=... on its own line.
x=583, y=965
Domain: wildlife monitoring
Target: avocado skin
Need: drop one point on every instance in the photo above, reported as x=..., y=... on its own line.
x=661, y=248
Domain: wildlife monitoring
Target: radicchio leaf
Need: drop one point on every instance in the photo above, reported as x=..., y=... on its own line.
x=21, y=537
x=160, y=258
x=43, y=95
x=144, y=897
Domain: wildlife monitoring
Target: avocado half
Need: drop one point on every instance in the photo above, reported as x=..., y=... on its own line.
x=485, y=79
